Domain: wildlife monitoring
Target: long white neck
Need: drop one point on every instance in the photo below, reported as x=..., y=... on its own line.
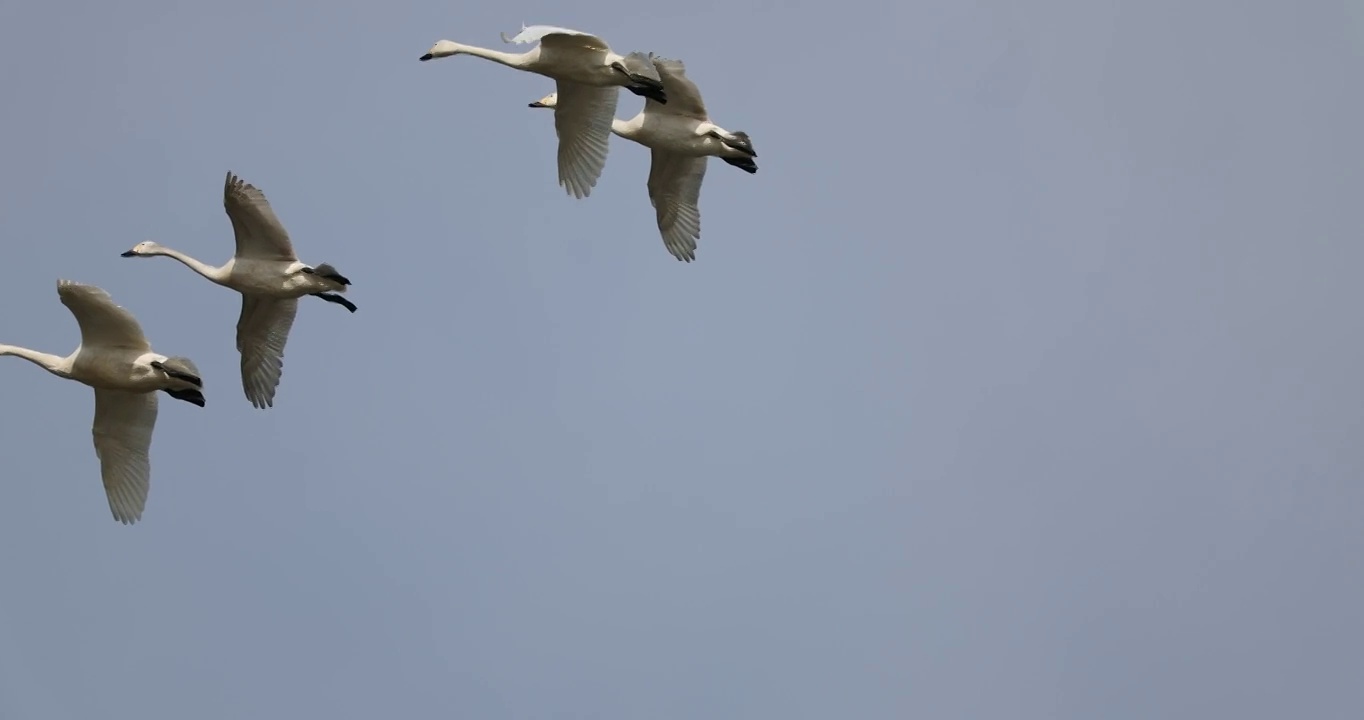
x=628, y=129
x=520, y=61
x=55, y=364
x=216, y=274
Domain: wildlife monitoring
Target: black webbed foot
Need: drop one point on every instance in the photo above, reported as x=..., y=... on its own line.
x=333, y=298
x=744, y=164
x=646, y=91
x=193, y=397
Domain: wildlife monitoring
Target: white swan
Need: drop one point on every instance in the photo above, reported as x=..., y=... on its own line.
x=588, y=76
x=116, y=360
x=270, y=278
x=681, y=136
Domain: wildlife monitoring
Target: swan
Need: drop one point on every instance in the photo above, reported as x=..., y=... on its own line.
x=271, y=280
x=588, y=76
x=681, y=136
x=116, y=360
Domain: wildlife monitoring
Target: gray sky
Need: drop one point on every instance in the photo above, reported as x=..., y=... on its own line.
x=1022, y=381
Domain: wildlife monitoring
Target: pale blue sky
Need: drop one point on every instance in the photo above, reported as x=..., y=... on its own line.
x=1022, y=381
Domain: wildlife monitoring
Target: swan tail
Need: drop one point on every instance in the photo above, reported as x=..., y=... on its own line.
x=740, y=141
x=181, y=368
x=644, y=78
x=743, y=163
x=327, y=271
x=640, y=68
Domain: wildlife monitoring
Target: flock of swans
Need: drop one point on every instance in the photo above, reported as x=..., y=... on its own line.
x=116, y=359
x=674, y=124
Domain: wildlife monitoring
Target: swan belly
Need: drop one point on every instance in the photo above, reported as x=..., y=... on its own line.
x=677, y=135
x=272, y=278
x=585, y=67
x=115, y=369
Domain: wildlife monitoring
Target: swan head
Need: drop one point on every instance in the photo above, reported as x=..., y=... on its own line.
x=442, y=48
x=548, y=101
x=142, y=249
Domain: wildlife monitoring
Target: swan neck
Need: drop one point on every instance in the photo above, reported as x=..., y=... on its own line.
x=519, y=61
x=215, y=274
x=628, y=129
x=55, y=364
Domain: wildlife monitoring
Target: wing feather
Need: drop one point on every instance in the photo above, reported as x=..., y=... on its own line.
x=684, y=98
x=582, y=120
x=675, y=192
x=123, y=438
x=555, y=35
x=259, y=233
x=262, y=332
x=103, y=323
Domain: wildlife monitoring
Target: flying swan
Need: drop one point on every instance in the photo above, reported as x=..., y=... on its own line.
x=681, y=136
x=270, y=278
x=588, y=76
x=116, y=360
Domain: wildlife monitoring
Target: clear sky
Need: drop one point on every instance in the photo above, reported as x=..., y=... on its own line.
x=1022, y=381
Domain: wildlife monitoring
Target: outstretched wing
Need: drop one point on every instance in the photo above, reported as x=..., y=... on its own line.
x=582, y=119
x=684, y=98
x=123, y=439
x=548, y=34
x=103, y=323
x=262, y=331
x=675, y=192
x=260, y=234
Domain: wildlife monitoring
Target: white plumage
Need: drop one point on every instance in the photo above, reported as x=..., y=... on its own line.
x=269, y=277
x=116, y=360
x=681, y=137
x=588, y=76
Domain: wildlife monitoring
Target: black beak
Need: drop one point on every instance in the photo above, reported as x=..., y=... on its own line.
x=425, y=57
x=130, y=253
x=537, y=103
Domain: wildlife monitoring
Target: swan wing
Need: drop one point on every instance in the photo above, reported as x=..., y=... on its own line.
x=260, y=234
x=262, y=331
x=684, y=98
x=123, y=439
x=555, y=36
x=103, y=323
x=675, y=191
x=582, y=120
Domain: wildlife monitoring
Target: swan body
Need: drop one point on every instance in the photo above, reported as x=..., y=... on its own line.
x=681, y=136
x=269, y=277
x=115, y=358
x=588, y=76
